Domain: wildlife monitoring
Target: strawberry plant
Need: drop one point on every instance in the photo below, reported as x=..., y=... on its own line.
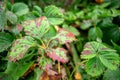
x=48, y=40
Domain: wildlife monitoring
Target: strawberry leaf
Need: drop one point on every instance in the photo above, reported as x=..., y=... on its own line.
x=99, y=56
x=94, y=67
x=58, y=54
x=20, y=47
x=64, y=36
x=44, y=62
x=5, y=41
x=36, y=28
x=54, y=15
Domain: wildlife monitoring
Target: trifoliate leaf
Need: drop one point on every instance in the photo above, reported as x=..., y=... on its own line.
x=58, y=54
x=100, y=56
x=20, y=47
x=36, y=28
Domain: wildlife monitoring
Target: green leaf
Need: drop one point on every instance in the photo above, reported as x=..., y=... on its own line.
x=38, y=9
x=115, y=12
x=70, y=16
x=54, y=15
x=17, y=70
x=112, y=74
x=2, y=19
x=108, y=61
x=36, y=28
x=5, y=41
x=4, y=76
x=20, y=9
x=58, y=54
x=11, y=17
x=28, y=16
x=38, y=73
x=95, y=33
x=85, y=24
x=94, y=67
x=116, y=47
x=51, y=33
x=112, y=33
x=64, y=36
x=20, y=47
x=72, y=29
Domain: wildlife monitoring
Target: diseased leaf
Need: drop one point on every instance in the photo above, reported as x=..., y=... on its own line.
x=43, y=62
x=36, y=28
x=20, y=47
x=94, y=67
x=64, y=36
x=58, y=54
x=109, y=60
x=5, y=41
x=100, y=56
x=91, y=49
x=54, y=15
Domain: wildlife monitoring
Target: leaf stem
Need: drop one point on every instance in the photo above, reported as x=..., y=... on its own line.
x=58, y=67
x=77, y=67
